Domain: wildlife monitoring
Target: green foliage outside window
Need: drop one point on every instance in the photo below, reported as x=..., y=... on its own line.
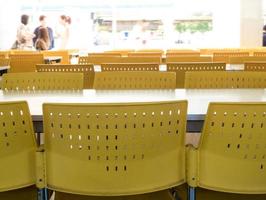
x=193, y=27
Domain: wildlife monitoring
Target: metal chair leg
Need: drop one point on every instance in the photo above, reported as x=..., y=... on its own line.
x=191, y=193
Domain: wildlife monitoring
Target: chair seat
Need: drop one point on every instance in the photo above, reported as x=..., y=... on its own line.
x=161, y=195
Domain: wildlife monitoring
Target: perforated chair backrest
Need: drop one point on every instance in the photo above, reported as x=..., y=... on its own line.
x=4, y=62
x=244, y=59
x=130, y=67
x=64, y=54
x=4, y=54
x=260, y=53
x=114, y=149
x=232, y=148
x=143, y=54
x=42, y=81
x=225, y=56
x=181, y=68
x=25, y=62
x=255, y=66
x=134, y=80
x=225, y=79
x=188, y=59
x=105, y=54
x=17, y=146
x=97, y=60
x=87, y=70
x=176, y=54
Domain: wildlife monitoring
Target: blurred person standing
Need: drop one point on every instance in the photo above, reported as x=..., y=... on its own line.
x=264, y=36
x=43, y=41
x=62, y=31
x=24, y=34
x=43, y=24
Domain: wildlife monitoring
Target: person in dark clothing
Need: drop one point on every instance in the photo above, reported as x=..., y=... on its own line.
x=43, y=22
x=264, y=36
x=42, y=42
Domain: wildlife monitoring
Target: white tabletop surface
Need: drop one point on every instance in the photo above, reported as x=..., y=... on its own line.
x=198, y=100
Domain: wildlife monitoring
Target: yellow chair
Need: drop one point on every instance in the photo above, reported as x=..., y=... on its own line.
x=36, y=81
x=25, y=62
x=225, y=56
x=87, y=70
x=177, y=54
x=255, y=66
x=171, y=59
x=225, y=79
x=97, y=60
x=122, y=52
x=181, y=68
x=118, y=80
x=117, y=150
x=17, y=152
x=130, y=67
x=145, y=54
x=13, y=52
x=231, y=154
x=105, y=54
x=210, y=51
x=244, y=59
x=4, y=54
x=64, y=54
x=260, y=53
x=4, y=62
x=151, y=50
x=140, y=59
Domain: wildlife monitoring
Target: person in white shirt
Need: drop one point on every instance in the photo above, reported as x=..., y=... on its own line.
x=24, y=34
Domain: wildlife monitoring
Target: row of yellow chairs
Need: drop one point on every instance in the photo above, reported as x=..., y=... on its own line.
x=76, y=81
x=129, y=149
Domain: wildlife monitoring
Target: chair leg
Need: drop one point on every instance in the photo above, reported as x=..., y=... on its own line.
x=43, y=194
x=191, y=193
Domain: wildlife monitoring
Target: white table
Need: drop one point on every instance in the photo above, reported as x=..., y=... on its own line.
x=198, y=100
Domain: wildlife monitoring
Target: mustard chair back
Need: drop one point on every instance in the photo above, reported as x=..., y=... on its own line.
x=34, y=81
x=181, y=68
x=143, y=54
x=255, y=66
x=105, y=54
x=87, y=70
x=64, y=54
x=4, y=62
x=225, y=56
x=140, y=59
x=231, y=154
x=25, y=62
x=4, y=54
x=122, y=52
x=130, y=67
x=244, y=59
x=151, y=50
x=171, y=59
x=176, y=54
x=225, y=79
x=118, y=80
x=260, y=53
x=97, y=60
x=114, y=149
x=23, y=52
x=17, y=147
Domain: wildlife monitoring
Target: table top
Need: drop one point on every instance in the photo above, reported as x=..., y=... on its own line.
x=4, y=68
x=198, y=99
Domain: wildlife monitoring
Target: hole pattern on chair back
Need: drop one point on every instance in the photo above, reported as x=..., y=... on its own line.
x=111, y=143
x=134, y=80
x=233, y=148
x=189, y=59
x=225, y=56
x=25, y=62
x=130, y=67
x=255, y=66
x=87, y=70
x=17, y=146
x=181, y=68
x=42, y=81
x=226, y=79
x=97, y=60
x=259, y=53
x=4, y=62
